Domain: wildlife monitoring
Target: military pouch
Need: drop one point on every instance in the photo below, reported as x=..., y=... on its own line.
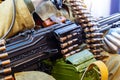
x=74, y=66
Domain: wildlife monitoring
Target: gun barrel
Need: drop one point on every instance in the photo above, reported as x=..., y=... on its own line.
x=109, y=20
x=113, y=40
x=111, y=45
x=116, y=35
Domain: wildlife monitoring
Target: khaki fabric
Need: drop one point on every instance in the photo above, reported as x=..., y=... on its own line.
x=23, y=20
x=113, y=64
x=46, y=9
x=33, y=75
x=30, y=5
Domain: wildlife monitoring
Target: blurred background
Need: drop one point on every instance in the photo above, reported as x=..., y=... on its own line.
x=103, y=8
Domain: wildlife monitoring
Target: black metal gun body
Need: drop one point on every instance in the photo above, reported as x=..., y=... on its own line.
x=31, y=46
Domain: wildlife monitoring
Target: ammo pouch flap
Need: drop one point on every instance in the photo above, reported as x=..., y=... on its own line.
x=73, y=67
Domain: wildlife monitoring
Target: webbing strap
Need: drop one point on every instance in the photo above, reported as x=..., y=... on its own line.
x=102, y=68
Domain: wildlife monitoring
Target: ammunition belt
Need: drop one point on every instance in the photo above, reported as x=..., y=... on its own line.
x=32, y=46
x=4, y=71
x=69, y=39
x=83, y=17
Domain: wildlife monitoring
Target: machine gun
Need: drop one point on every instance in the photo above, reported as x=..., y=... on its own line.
x=29, y=47
x=109, y=22
x=110, y=41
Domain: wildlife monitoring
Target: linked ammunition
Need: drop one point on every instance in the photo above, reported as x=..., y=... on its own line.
x=89, y=19
x=70, y=48
x=10, y=77
x=63, y=39
x=88, y=35
x=96, y=45
x=88, y=46
x=76, y=45
x=86, y=15
x=74, y=40
x=82, y=16
x=91, y=24
x=97, y=56
x=84, y=25
x=64, y=51
x=74, y=34
x=94, y=29
x=78, y=50
x=82, y=21
x=94, y=35
x=88, y=41
x=3, y=55
x=69, y=36
x=73, y=52
x=5, y=62
x=100, y=56
x=2, y=48
x=86, y=30
x=5, y=71
x=85, y=12
x=97, y=50
x=91, y=29
x=96, y=39
x=64, y=45
x=68, y=43
x=77, y=8
x=66, y=55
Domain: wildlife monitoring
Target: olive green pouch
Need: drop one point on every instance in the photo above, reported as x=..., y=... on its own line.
x=73, y=67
